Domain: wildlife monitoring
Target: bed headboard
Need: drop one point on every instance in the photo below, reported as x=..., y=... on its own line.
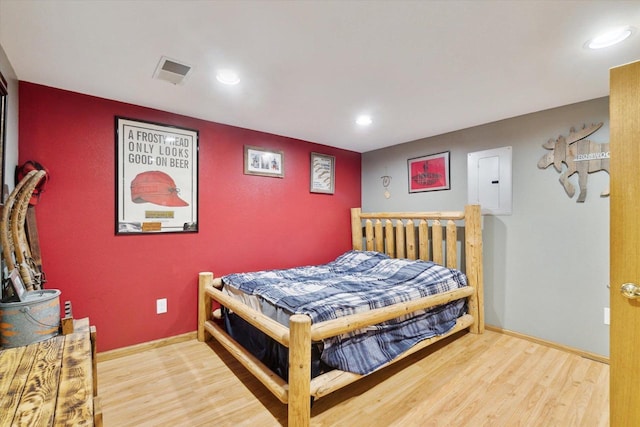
x=430, y=236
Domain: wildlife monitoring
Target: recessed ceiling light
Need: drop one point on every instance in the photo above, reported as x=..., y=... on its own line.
x=364, y=120
x=610, y=38
x=228, y=77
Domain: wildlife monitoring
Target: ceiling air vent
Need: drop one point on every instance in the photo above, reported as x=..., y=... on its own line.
x=171, y=71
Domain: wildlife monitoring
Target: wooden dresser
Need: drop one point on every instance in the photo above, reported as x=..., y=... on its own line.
x=52, y=382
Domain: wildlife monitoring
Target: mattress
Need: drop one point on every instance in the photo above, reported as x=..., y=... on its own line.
x=354, y=282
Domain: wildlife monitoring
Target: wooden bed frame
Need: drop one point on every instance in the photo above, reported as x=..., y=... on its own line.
x=400, y=235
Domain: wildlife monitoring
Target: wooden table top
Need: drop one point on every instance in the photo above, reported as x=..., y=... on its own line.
x=48, y=383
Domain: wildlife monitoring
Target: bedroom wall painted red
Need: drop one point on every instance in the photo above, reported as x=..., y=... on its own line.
x=245, y=222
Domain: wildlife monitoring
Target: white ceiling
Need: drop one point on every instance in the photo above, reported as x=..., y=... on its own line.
x=420, y=68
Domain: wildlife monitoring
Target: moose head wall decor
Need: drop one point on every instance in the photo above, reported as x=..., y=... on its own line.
x=579, y=155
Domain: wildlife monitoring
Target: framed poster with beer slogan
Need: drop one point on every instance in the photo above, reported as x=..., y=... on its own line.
x=156, y=178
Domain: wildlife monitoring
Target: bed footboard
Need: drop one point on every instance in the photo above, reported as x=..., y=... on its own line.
x=299, y=410
x=204, y=303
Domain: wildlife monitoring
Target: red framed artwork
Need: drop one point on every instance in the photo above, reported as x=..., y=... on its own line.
x=429, y=173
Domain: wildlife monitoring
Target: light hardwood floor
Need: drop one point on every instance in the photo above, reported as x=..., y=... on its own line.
x=476, y=380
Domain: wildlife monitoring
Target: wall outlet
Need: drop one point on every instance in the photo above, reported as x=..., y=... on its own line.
x=161, y=306
x=607, y=317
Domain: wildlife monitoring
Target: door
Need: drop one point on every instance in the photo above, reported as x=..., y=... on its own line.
x=625, y=244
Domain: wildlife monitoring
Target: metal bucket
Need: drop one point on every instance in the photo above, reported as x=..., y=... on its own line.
x=37, y=318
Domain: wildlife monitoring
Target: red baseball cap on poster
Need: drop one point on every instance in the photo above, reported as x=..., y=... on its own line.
x=155, y=187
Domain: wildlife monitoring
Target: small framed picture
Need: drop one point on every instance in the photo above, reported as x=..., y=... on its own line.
x=259, y=161
x=429, y=173
x=322, y=173
x=18, y=285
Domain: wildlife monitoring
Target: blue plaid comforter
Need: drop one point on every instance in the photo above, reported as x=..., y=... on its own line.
x=359, y=281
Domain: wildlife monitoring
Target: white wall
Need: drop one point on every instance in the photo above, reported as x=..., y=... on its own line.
x=11, y=147
x=546, y=266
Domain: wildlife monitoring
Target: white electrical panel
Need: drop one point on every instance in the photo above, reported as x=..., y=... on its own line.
x=489, y=180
